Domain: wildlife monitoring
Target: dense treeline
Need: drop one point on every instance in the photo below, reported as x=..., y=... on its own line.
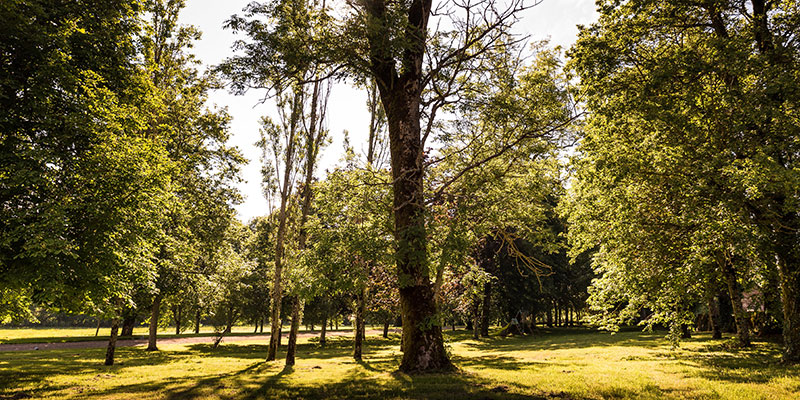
x=678, y=206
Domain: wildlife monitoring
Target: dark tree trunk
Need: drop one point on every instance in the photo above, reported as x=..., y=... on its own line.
x=128, y=322
x=685, y=332
x=358, y=339
x=112, y=341
x=789, y=277
x=713, y=317
x=487, y=303
x=154, y=315
x=422, y=342
x=197, y=321
x=550, y=315
x=291, y=349
x=261, y=325
x=386, y=328
x=178, y=319
x=735, y=292
x=97, y=331
x=476, y=325
x=323, y=331
x=231, y=318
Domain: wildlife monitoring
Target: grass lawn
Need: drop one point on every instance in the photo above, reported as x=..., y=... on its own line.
x=555, y=364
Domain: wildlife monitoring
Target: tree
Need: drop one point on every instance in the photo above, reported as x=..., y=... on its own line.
x=417, y=74
x=83, y=186
x=688, y=153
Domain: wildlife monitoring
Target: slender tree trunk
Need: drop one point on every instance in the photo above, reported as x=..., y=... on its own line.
x=322, y=339
x=476, y=326
x=550, y=315
x=197, y=321
x=229, y=327
x=97, y=331
x=359, y=325
x=154, y=315
x=178, y=319
x=112, y=341
x=735, y=292
x=291, y=349
x=261, y=327
x=386, y=328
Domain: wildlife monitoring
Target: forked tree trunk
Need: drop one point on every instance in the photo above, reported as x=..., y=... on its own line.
x=128, y=322
x=286, y=190
x=154, y=315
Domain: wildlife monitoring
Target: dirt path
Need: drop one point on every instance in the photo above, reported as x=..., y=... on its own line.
x=186, y=340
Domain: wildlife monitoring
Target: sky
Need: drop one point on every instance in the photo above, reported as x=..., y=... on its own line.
x=554, y=20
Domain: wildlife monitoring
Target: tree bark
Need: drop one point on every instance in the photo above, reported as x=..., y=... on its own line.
x=112, y=341
x=322, y=339
x=128, y=322
x=178, y=319
x=476, y=326
x=291, y=349
x=713, y=317
x=197, y=321
x=789, y=277
x=154, y=315
x=358, y=340
x=97, y=331
x=487, y=303
x=386, y=328
x=735, y=293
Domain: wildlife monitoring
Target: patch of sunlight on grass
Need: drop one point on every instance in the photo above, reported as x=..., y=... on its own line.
x=553, y=364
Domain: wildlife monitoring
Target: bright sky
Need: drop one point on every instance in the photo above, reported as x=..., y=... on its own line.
x=553, y=19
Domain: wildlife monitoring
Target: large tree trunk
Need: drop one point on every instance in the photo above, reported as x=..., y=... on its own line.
x=423, y=345
x=297, y=307
x=154, y=315
x=735, y=292
x=112, y=341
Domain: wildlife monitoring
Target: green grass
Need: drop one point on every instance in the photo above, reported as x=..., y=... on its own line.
x=556, y=364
